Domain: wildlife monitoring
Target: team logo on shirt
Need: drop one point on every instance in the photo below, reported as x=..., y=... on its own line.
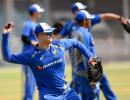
x=54, y=52
x=34, y=54
x=42, y=57
x=49, y=64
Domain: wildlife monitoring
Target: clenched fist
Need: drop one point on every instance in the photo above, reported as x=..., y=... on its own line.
x=8, y=27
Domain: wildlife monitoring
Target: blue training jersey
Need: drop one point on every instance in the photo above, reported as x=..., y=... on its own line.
x=94, y=21
x=87, y=40
x=28, y=31
x=48, y=66
x=67, y=29
x=84, y=36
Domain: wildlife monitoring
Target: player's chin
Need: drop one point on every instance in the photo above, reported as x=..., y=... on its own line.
x=49, y=40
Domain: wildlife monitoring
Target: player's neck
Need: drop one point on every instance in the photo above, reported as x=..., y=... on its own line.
x=83, y=26
x=34, y=19
x=43, y=45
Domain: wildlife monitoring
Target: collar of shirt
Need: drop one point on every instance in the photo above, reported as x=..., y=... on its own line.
x=38, y=49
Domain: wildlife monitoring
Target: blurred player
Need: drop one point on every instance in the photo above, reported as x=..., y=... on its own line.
x=105, y=86
x=87, y=91
x=67, y=30
x=46, y=61
x=29, y=40
x=70, y=24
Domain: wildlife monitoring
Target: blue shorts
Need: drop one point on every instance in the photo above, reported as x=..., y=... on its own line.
x=69, y=95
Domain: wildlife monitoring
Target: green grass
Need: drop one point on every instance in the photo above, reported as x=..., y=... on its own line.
x=118, y=75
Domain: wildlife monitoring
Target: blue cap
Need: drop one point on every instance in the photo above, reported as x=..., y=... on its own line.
x=82, y=14
x=43, y=28
x=35, y=8
x=78, y=6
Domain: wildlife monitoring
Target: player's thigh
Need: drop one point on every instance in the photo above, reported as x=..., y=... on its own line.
x=72, y=95
x=86, y=90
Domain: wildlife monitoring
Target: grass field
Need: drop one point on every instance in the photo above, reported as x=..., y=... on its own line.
x=118, y=74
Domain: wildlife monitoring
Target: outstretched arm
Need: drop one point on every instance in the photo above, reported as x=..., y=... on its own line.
x=6, y=53
x=112, y=16
x=108, y=16
x=73, y=43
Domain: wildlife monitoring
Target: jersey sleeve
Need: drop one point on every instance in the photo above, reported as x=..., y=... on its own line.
x=66, y=29
x=75, y=35
x=96, y=19
x=92, y=47
x=73, y=43
x=22, y=58
x=26, y=29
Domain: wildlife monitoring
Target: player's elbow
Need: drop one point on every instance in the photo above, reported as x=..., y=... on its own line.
x=7, y=59
x=105, y=16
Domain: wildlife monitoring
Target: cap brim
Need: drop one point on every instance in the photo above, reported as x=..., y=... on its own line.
x=90, y=17
x=49, y=30
x=82, y=7
x=41, y=10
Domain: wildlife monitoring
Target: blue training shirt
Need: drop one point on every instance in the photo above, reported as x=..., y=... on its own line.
x=94, y=21
x=28, y=31
x=84, y=36
x=48, y=66
x=67, y=29
x=87, y=40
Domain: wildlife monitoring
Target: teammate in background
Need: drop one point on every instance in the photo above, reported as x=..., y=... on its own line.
x=87, y=91
x=70, y=26
x=29, y=40
x=46, y=61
